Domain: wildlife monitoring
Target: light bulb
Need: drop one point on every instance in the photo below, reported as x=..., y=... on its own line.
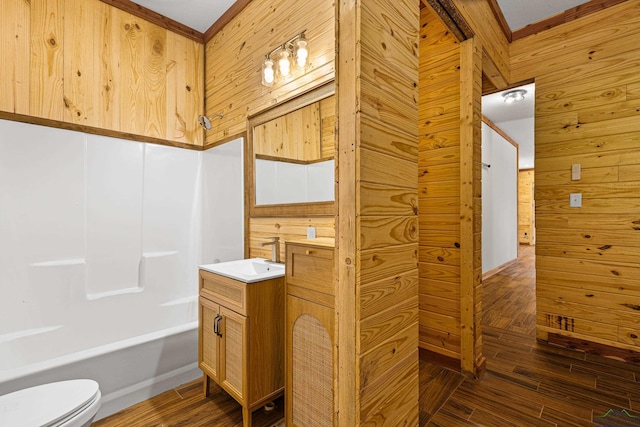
x=268, y=73
x=284, y=65
x=302, y=53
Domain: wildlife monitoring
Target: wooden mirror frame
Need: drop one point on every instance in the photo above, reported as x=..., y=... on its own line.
x=286, y=209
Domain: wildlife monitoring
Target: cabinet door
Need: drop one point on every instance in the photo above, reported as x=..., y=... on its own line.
x=208, y=340
x=310, y=363
x=233, y=348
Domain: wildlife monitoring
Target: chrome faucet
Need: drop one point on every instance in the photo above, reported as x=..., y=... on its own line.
x=275, y=248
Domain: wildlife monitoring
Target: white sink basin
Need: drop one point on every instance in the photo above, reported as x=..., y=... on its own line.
x=247, y=270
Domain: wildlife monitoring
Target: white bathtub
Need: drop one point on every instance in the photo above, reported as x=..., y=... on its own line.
x=128, y=371
x=99, y=248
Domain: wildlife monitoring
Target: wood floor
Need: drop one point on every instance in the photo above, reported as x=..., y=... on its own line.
x=186, y=406
x=526, y=384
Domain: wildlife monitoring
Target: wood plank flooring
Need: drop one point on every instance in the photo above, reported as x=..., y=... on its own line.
x=525, y=384
x=186, y=406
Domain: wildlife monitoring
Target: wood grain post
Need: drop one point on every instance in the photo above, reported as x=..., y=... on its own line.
x=470, y=196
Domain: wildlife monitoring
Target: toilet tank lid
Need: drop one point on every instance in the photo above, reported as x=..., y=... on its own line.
x=45, y=404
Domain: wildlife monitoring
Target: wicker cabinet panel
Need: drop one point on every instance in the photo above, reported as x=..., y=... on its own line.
x=310, y=363
x=232, y=351
x=208, y=341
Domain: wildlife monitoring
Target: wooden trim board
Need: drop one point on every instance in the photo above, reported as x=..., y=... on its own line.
x=568, y=15
x=499, y=131
x=497, y=12
x=156, y=18
x=94, y=130
x=499, y=268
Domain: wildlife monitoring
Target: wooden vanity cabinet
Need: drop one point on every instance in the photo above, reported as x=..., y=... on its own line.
x=241, y=339
x=311, y=352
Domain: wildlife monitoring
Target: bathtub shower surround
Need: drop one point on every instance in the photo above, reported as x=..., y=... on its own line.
x=100, y=242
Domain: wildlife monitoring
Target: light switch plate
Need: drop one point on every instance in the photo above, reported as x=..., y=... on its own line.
x=576, y=172
x=311, y=232
x=575, y=200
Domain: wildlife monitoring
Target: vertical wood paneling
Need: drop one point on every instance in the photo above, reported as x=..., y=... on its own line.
x=15, y=36
x=328, y=126
x=526, y=208
x=234, y=60
x=132, y=72
x=439, y=166
x=46, y=67
x=470, y=203
x=348, y=189
x=155, y=81
x=107, y=66
x=79, y=80
x=185, y=89
x=87, y=65
x=587, y=270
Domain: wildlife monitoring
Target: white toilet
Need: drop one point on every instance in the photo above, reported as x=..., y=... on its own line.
x=72, y=403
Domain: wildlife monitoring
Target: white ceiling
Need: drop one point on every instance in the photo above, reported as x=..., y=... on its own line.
x=201, y=14
x=520, y=13
x=197, y=14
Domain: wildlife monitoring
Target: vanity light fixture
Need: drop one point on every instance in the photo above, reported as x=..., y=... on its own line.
x=277, y=64
x=514, y=95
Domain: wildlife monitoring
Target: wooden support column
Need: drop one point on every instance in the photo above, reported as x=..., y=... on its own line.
x=348, y=125
x=377, y=225
x=470, y=206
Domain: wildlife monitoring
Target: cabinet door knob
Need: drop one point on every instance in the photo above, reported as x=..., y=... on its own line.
x=308, y=252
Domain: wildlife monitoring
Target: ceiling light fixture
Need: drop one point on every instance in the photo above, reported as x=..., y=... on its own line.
x=514, y=95
x=277, y=64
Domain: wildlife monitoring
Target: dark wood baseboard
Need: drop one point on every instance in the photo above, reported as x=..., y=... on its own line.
x=499, y=268
x=597, y=349
x=481, y=368
x=439, y=359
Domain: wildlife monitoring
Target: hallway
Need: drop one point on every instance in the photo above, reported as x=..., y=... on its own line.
x=526, y=383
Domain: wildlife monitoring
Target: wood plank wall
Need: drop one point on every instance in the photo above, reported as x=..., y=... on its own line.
x=495, y=46
x=526, y=208
x=450, y=194
x=377, y=294
x=388, y=240
x=439, y=187
x=587, y=112
x=472, y=361
x=234, y=60
x=83, y=63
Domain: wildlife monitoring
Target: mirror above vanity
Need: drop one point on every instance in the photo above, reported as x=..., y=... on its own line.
x=290, y=153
